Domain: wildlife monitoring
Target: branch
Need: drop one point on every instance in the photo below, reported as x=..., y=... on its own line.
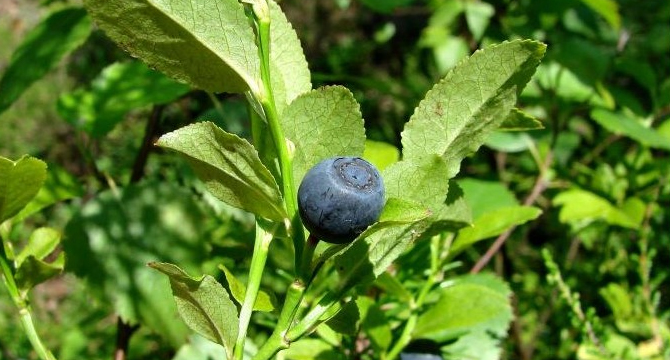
x=538, y=189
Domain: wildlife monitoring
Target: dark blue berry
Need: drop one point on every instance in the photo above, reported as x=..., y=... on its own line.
x=419, y=356
x=340, y=197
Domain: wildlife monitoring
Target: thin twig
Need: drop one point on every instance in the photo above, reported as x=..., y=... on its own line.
x=538, y=188
x=123, y=333
x=147, y=143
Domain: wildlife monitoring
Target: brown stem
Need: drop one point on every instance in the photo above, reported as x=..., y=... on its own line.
x=147, y=143
x=538, y=188
x=123, y=333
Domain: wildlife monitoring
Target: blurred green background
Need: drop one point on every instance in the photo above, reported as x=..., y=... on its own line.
x=602, y=93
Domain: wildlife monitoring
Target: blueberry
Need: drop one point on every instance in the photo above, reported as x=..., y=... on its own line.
x=421, y=349
x=419, y=356
x=339, y=198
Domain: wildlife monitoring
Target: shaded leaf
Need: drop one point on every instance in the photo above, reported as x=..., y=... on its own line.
x=346, y=320
x=110, y=239
x=374, y=251
x=41, y=50
x=209, y=45
x=310, y=349
x=229, y=166
x=238, y=290
x=391, y=285
x=203, y=304
x=33, y=271
x=19, y=183
x=59, y=185
x=118, y=89
x=474, y=98
x=375, y=324
x=518, y=120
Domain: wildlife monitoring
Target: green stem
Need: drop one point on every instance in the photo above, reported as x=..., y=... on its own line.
x=258, y=259
x=8, y=277
x=277, y=340
x=404, y=339
x=24, y=312
x=406, y=335
x=436, y=258
x=31, y=332
x=307, y=255
x=267, y=101
x=312, y=319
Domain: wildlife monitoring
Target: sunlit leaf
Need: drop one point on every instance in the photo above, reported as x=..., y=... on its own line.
x=619, y=123
x=323, y=123
x=19, y=183
x=471, y=101
x=203, y=304
x=209, y=45
x=229, y=166
x=475, y=311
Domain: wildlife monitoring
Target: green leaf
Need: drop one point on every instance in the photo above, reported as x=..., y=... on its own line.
x=34, y=271
x=210, y=46
x=238, y=290
x=619, y=123
x=110, y=239
x=59, y=185
x=375, y=324
x=475, y=311
x=451, y=215
x=120, y=88
x=203, y=304
x=391, y=285
x=346, y=320
x=19, y=183
x=608, y=9
x=323, y=123
x=509, y=142
x=477, y=15
x=430, y=188
x=289, y=72
x=492, y=224
x=422, y=180
x=42, y=242
x=381, y=154
x=230, y=168
x=472, y=100
x=582, y=207
x=310, y=349
x=486, y=196
x=518, y=120
x=199, y=348
x=41, y=50
x=399, y=211
x=373, y=252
